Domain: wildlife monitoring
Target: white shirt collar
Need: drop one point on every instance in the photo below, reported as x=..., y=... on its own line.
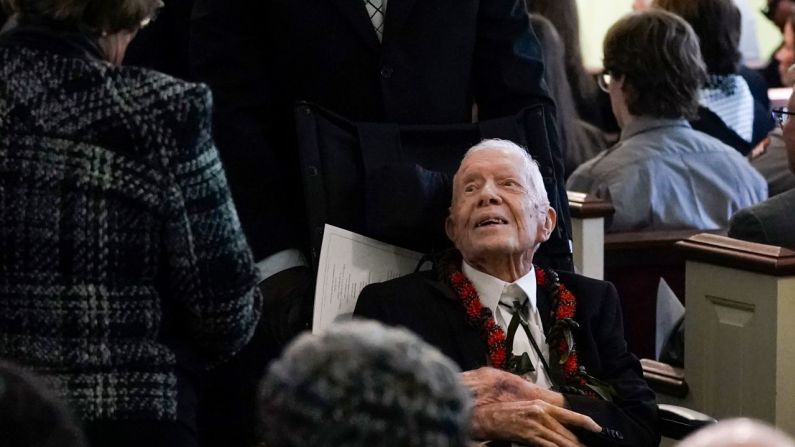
x=490, y=288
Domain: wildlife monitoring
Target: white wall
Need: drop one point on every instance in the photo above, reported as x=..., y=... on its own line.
x=596, y=16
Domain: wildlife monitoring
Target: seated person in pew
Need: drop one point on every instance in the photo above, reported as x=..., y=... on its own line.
x=363, y=384
x=773, y=164
x=662, y=174
x=772, y=222
x=494, y=313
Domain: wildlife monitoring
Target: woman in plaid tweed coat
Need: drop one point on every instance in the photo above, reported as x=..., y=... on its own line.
x=123, y=268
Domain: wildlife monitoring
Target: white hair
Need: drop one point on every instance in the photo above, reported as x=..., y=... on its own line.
x=741, y=432
x=539, y=193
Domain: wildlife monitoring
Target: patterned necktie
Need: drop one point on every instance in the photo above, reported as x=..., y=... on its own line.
x=527, y=337
x=376, y=10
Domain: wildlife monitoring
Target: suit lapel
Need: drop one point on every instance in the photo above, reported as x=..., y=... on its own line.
x=397, y=13
x=543, y=304
x=467, y=340
x=356, y=14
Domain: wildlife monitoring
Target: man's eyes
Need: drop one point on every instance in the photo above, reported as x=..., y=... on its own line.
x=507, y=183
x=511, y=183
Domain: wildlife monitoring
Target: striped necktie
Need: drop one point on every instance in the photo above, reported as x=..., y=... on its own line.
x=376, y=10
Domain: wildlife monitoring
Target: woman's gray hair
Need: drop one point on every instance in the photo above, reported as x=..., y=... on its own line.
x=539, y=193
x=363, y=384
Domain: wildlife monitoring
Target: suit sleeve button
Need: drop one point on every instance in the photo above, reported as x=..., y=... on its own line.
x=386, y=71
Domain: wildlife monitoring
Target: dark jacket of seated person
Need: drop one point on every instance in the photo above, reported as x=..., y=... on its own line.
x=662, y=174
x=773, y=165
x=569, y=360
x=123, y=264
x=772, y=222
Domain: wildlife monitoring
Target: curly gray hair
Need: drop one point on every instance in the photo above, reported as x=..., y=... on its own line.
x=363, y=384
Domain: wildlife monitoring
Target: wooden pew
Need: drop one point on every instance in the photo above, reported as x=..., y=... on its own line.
x=634, y=263
x=588, y=231
x=740, y=329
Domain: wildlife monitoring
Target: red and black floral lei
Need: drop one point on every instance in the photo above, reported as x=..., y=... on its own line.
x=566, y=373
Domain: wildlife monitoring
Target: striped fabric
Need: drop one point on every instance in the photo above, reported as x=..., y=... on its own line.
x=118, y=237
x=730, y=98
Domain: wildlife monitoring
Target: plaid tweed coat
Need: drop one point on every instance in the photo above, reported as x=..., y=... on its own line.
x=120, y=248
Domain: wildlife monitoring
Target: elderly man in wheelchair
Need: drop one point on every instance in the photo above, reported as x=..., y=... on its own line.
x=543, y=350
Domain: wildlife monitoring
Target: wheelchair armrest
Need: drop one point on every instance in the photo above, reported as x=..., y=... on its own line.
x=677, y=422
x=664, y=378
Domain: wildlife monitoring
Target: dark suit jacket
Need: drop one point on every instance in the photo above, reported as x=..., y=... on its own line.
x=427, y=306
x=770, y=222
x=163, y=45
x=436, y=59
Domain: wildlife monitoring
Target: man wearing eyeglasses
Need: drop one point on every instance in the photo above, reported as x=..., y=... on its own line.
x=772, y=221
x=663, y=174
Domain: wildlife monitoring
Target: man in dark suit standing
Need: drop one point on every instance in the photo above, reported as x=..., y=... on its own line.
x=772, y=221
x=486, y=304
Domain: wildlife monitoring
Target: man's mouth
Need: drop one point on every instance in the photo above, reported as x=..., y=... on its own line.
x=491, y=221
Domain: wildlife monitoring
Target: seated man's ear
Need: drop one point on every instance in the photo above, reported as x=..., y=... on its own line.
x=449, y=227
x=548, y=225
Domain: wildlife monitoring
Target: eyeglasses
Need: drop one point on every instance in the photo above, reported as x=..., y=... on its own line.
x=604, y=79
x=781, y=116
x=151, y=18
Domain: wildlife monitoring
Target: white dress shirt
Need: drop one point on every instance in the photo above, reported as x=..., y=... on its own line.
x=490, y=289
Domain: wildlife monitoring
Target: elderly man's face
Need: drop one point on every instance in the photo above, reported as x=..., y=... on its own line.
x=493, y=211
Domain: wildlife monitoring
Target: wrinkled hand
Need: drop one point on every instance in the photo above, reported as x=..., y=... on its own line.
x=490, y=385
x=534, y=423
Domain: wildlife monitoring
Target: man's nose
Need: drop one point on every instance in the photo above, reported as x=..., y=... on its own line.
x=489, y=195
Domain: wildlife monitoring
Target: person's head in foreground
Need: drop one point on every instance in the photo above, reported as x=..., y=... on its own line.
x=111, y=24
x=653, y=67
x=738, y=433
x=363, y=384
x=30, y=416
x=500, y=213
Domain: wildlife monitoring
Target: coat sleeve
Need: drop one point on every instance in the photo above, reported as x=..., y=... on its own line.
x=231, y=52
x=746, y=225
x=631, y=419
x=370, y=304
x=211, y=273
x=508, y=65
